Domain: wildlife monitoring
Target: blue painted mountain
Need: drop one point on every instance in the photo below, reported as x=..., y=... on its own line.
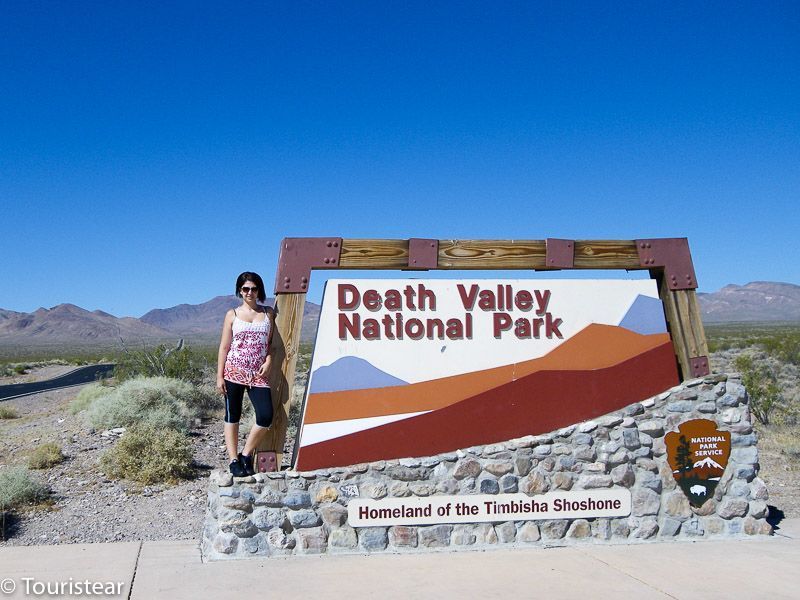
x=645, y=316
x=351, y=373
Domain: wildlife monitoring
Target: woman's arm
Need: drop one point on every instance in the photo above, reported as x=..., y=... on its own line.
x=263, y=371
x=224, y=345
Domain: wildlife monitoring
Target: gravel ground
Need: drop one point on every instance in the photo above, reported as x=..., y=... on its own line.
x=88, y=507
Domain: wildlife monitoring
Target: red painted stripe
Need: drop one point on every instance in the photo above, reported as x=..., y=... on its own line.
x=538, y=403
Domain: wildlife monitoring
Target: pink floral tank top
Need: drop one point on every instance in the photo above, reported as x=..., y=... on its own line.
x=247, y=353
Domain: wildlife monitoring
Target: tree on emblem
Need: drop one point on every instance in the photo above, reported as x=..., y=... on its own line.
x=683, y=457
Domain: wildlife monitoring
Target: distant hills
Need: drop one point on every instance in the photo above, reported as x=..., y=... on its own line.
x=67, y=325
x=70, y=325
x=756, y=301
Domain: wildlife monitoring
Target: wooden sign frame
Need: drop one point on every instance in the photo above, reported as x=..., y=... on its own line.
x=668, y=261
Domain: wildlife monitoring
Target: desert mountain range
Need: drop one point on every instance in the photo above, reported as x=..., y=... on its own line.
x=67, y=324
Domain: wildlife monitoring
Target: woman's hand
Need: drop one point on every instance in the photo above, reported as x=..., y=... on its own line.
x=263, y=370
x=221, y=386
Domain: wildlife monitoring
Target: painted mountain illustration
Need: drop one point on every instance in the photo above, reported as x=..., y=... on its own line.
x=707, y=463
x=645, y=316
x=595, y=372
x=348, y=373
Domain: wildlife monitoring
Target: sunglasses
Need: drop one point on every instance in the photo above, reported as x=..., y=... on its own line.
x=249, y=290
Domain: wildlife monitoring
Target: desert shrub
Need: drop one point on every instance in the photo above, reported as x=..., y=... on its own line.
x=87, y=396
x=160, y=401
x=45, y=456
x=206, y=401
x=179, y=362
x=762, y=387
x=8, y=412
x=149, y=454
x=18, y=486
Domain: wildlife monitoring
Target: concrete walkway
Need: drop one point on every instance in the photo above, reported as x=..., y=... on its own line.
x=744, y=568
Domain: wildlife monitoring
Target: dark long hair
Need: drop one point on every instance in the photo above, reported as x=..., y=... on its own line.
x=255, y=278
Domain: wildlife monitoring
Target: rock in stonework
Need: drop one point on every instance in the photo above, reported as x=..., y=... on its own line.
x=535, y=483
x=436, y=536
x=402, y=536
x=498, y=469
x=659, y=447
x=373, y=539
x=420, y=488
x=623, y=475
x=562, y=449
x=399, y=489
x=709, y=507
x=448, y=486
x=548, y=464
x=489, y=486
x=279, y=540
x=463, y=535
x=758, y=509
x=645, y=502
x=746, y=472
x=312, y=541
x=506, y=532
x=693, y=527
x=583, y=439
x=758, y=489
x=554, y=529
x=714, y=525
x=619, y=457
x=566, y=462
x=735, y=526
x=543, y=450
x=665, y=472
x=267, y=518
x=562, y=481
x=408, y=474
x=245, y=529
x=256, y=544
x=620, y=528
x=738, y=440
x=587, y=427
x=630, y=439
x=753, y=526
x=297, y=499
x=585, y=453
x=707, y=407
x=579, y=529
x=467, y=468
x=508, y=484
x=269, y=497
x=226, y=543
x=590, y=482
x=670, y=527
x=601, y=529
x=652, y=428
x=237, y=504
x=485, y=533
x=677, y=505
x=648, y=464
x=637, y=408
x=739, y=489
x=326, y=493
x=645, y=440
x=733, y=507
x=221, y=478
x=522, y=465
x=728, y=400
x=334, y=515
x=529, y=532
x=650, y=480
x=609, y=420
x=374, y=490
x=343, y=537
x=685, y=395
x=303, y=518
x=469, y=486
x=647, y=528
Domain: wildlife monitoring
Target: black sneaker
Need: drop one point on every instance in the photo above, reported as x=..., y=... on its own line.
x=247, y=464
x=237, y=470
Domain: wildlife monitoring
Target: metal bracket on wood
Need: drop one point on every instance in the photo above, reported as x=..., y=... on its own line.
x=699, y=366
x=559, y=254
x=298, y=256
x=423, y=253
x=672, y=254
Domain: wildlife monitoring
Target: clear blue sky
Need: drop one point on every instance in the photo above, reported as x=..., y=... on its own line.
x=150, y=151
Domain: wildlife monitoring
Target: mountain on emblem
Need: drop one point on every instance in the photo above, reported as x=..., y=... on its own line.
x=698, y=454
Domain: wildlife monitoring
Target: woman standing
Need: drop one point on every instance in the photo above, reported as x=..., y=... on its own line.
x=243, y=364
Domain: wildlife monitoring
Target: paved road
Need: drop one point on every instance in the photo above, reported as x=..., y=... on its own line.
x=77, y=376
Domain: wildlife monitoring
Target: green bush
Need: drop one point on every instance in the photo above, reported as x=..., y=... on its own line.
x=160, y=401
x=45, y=456
x=206, y=401
x=179, y=362
x=149, y=454
x=18, y=486
x=87, y=396
x=762, y=387
x=8, y=412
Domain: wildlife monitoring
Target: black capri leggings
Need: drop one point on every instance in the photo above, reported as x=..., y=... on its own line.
x=261, y=398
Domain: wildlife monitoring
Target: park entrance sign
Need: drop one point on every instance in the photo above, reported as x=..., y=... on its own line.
x=469, y=413
x=418, y=367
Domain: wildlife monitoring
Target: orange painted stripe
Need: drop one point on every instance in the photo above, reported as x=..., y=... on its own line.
x=595, y=347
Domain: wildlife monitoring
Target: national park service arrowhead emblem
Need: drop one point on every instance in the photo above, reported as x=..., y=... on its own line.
x=698, y=454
